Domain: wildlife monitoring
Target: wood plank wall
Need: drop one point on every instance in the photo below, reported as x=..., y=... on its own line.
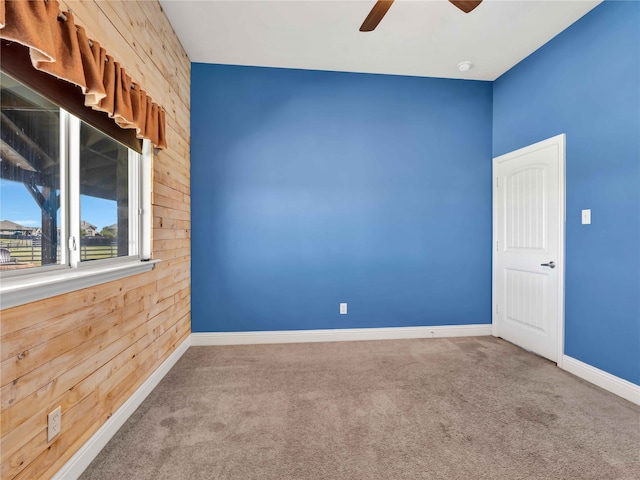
x=89, y=350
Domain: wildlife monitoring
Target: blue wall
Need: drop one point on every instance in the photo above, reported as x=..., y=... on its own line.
x=313, y=188
x=585, y=83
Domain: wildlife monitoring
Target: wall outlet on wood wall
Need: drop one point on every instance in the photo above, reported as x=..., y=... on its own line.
x=54, y=423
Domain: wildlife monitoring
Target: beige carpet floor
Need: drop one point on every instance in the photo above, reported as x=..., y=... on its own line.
x=456, y=408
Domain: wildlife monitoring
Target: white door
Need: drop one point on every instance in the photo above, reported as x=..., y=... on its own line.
x=528, y=242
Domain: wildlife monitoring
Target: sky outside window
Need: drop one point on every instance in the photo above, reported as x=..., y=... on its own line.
x=17, y=205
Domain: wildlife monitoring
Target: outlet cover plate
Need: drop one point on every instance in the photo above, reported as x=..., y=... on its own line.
x=54, y=423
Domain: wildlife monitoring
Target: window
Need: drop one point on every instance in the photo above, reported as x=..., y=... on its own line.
x=70, y=195
x=108, y=200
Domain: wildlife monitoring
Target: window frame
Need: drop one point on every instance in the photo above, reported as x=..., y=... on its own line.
x=18, y=287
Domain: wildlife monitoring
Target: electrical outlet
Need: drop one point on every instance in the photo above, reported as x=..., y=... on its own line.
x=343, y=309
x=54, y=423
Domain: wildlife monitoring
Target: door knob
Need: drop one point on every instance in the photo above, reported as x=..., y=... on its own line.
x=551, y=264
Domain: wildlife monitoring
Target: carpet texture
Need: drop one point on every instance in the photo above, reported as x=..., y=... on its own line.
x=454, y=408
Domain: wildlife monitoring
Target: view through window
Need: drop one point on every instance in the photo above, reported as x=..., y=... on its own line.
x=47, y=180
x=104, y=196
x=30, y=180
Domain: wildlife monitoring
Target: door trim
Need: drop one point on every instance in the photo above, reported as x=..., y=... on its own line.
x=560, y=142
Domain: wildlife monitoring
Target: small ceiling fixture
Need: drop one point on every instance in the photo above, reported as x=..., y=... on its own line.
x=464, y=66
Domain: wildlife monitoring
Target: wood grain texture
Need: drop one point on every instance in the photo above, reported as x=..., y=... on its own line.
x=89, y=350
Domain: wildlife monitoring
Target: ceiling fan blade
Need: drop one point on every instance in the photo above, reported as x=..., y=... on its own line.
x=466, y=6
x=375, y=15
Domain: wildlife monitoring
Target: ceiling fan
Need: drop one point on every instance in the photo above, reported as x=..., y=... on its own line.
x=382, y=6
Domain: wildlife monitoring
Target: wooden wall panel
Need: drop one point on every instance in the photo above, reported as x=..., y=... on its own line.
x=89, y=350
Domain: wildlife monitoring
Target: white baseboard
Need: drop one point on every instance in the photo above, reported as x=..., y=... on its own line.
x=337, y=335
x=623, y=388
x=85, y=455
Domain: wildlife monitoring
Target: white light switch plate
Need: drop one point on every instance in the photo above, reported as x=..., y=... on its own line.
x=586, y=217
x=343, y=309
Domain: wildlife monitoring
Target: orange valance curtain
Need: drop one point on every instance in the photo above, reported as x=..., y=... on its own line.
x=61, y=48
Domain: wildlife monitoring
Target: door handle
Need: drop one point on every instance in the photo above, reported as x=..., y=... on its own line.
x=551, y=264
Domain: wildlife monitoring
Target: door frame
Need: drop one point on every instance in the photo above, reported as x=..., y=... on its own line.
x=560, y=142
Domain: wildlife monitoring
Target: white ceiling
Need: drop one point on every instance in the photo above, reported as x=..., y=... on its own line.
x=420, y=38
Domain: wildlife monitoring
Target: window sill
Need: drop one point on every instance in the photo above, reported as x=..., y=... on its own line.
x=22, y=289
